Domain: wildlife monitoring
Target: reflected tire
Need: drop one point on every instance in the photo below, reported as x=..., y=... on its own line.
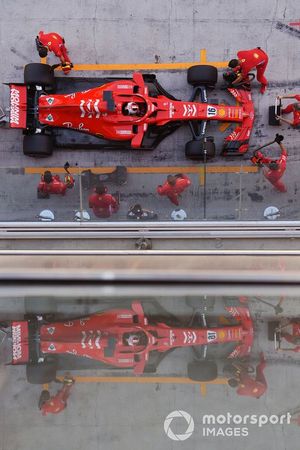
x=202, y=371
x=150, y=368
x=41, y=373
x=38, y=145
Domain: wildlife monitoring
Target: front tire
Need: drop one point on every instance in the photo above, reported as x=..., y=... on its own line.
x=196, y=150
x=202, y=76
x=38, y=145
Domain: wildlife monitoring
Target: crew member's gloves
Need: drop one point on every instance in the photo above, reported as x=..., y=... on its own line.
x=279, y=138
x=68, y=380
x=256, y=160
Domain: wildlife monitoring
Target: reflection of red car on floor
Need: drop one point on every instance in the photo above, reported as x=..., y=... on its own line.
x=285, y=334
x=122, y=338
x=131, y=113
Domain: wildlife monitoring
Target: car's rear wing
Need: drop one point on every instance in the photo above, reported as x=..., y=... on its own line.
x=18, y=106
x=20, y=342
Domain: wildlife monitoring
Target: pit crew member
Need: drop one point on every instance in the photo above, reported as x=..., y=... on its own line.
x=52, y=184
x=58, y=402
x=136, y=212
x=55, y=43
x=293, y=337
x=275, y=167
x=174, y=186
x=247, y=61
x=291, y=108
x=102, y=203
x=247, y=385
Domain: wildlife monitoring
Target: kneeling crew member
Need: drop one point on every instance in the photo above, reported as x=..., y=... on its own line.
x=52, y=184
x=275, y=167
x=291, y=108
x=247, y=385
x=58, y=402
x=247, y=61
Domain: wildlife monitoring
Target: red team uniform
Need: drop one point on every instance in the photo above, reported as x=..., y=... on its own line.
x=56, y=186
x=56, y=44
x=253, y=387
x=274, y=175
x=295, y=109
x=173, y=191
x=103, y=205
x=58, y=402
x=251, y=59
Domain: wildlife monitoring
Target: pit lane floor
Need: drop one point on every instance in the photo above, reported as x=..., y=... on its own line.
x=170, y=37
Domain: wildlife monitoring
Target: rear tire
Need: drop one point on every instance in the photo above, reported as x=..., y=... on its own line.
x=150, y=368
x=38, y=145
x=202, y=371
x=40, y=306
x=41, y=373
x=202, y=76
x=195, y=150
x=37, y=74
x=272, y=113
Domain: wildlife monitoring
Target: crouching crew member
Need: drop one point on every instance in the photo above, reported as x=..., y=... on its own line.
x=52, y=184
x=291, y=108
x=275, y=168
x=247, y=385
x=58, y=402
x=247, y=61
x=55, y=43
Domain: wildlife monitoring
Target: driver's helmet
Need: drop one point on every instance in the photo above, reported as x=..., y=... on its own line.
x=132, y=108
x=133, y=339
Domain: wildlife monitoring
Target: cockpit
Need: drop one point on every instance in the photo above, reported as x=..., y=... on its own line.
x=137, y=109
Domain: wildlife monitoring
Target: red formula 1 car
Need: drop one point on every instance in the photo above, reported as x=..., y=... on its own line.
x=121, y=338
x=132, y=113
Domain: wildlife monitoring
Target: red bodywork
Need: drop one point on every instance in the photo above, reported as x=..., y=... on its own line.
x=57, y=186
x=124, y=338
x=101, y=111
x=291, y=333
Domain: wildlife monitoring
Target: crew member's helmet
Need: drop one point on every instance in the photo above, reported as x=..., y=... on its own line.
x=229, y=76
x=274, y=165
x=178, y=214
